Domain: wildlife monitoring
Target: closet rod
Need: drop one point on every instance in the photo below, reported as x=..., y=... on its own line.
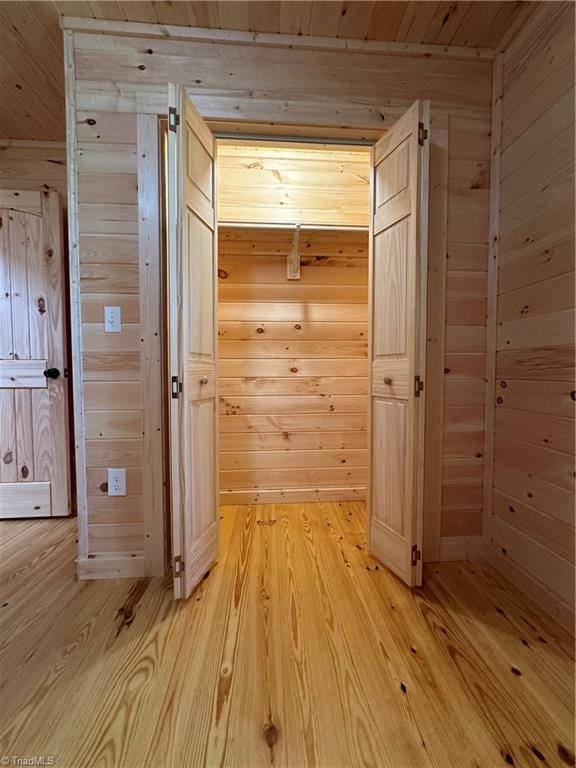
x=290, y=227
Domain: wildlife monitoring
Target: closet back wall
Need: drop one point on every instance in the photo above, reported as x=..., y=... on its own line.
x=293, y=366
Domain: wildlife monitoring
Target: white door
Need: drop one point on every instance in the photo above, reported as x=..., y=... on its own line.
x=34, y=442
x=192, y=258
x=398, y=343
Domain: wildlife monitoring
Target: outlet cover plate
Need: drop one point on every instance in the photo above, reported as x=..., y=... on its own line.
x=116, y=482
x=112, y=320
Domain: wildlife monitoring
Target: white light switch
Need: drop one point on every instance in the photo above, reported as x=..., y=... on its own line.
x=116, y=482
x=112, y=320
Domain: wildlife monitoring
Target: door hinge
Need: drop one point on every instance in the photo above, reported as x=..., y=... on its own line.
x=416, y=555
x=178, y=565
x=173, y=119
x=176, y=387
x=418, y=386
x=422, y=134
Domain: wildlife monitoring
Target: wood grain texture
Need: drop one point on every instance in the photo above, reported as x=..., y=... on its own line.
x=293, y=184
x=312, y=89
x=292, y=381
x=34, y=408
x=33, y=165
x=366, y=672
x=533, y=506
x=465, y=322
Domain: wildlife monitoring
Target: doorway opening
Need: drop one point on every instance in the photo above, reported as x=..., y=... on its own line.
x=293, y=321
x=270, y=424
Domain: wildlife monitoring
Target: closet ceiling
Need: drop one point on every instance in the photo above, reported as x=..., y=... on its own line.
x=32, y=82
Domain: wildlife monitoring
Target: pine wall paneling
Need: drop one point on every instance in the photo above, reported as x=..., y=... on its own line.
x=283, y=89
x=531, y=506
x=33, y=165
x=293, y=368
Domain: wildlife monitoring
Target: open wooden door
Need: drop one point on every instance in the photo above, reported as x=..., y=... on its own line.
x=34, y=443
x=192, y=343
x=398, y=343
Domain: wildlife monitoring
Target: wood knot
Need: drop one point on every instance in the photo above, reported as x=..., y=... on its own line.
x=270, y=734
x=104, y=487
x=8, y=457
x=42, y=305
x=222, y=274
x=565, y=755
x=24, y=471
x=293, y=370
x=265, y=522
x=259, y=330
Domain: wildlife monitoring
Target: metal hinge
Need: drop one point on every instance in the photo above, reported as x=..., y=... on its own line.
x=416, y=555
x=418, y=386
x=176, y=387
x=173, y=119
x=422, y=134
x=178, y=565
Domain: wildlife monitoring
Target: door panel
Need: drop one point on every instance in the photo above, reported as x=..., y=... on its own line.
x=192, y=331
x=33, y=408
x=390, y=275
x=397, y=347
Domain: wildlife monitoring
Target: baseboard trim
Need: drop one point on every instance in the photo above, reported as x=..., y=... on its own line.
x=116, y=566
x=461, y=548
x=292, y=495
x=548, y=601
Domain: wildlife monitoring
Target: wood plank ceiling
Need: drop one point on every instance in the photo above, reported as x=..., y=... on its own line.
x=31, y=57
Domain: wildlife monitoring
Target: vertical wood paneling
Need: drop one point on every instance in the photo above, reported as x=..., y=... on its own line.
x=8, y=460
x=5, y=288
x=24, y=434
x=435, y=354
x=150, y=286
x=19, y=285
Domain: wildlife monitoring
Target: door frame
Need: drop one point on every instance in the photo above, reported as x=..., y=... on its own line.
x=155, y=559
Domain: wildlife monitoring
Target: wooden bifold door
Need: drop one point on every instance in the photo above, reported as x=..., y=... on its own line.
x=192, y=343
x=34, y=443
x=398, y=273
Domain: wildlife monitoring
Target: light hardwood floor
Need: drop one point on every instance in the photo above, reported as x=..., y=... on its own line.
x=297, y=650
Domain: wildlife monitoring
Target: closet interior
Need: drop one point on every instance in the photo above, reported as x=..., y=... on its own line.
x=292, y=311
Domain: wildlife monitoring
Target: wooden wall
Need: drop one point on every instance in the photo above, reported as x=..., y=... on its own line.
x=33, y=165
x=283, y=87
x=532, y=523
x=293, y=183
x=293, y=366
x=465, y=327
x=109, y=275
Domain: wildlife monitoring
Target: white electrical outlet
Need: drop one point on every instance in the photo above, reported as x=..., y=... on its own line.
x=116, y=482
x=112, y=320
